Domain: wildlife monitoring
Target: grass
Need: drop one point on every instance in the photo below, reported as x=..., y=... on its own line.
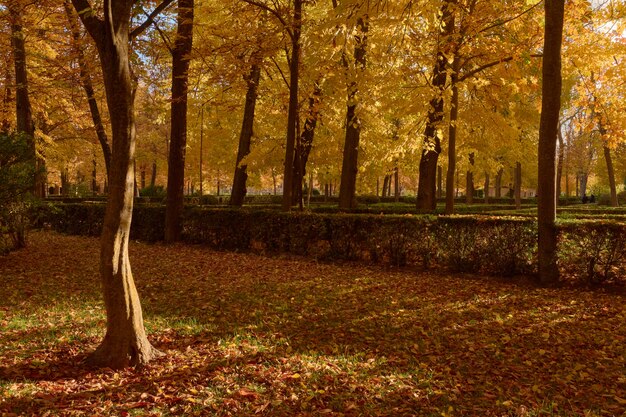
x=248, y=335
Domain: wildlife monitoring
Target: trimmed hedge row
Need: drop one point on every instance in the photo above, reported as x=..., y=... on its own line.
x=589, y=251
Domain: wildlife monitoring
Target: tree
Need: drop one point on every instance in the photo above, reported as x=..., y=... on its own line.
x=178, y=133
x=548, y=125
x=125, y=342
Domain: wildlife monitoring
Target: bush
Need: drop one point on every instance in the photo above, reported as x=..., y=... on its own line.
x=154, y=191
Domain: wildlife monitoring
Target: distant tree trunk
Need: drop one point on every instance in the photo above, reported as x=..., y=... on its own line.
x=469, y=181
x=238, y=193
x=439, y=181
x=5, y=126
x=65, y=182
x=22, y=100
x=377, y=186
x=426, y=190
x=550, y=109
x=94, y=180
x=396, y=183
x=274, y=180
x=154, y=174
x=584, y=177
x=304, y=145
x=611, y=173
x=486, y=188
x=578, y=184
x=292, y=113
x=85, y=78
x=559, y=168
x=385, y=185
x=125, y=342
x=518, y=185
x=454, y=115
x=499, y=183
x=178, y=133
x=142, y=174
x=349, y=167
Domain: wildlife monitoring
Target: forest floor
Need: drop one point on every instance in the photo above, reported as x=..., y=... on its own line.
x=246, y=334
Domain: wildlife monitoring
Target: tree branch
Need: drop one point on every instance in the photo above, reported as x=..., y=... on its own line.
x=150, y=19
x=274, y=13
x=489, y=65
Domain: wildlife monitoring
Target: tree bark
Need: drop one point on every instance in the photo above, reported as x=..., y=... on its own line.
x=469, y=181
x=240, y=178
x=499, y=183
x=611, y=173
x=125, y=342
x=5, y=126
x=85, y=78
x=559, y=168
x=396, y=184
x=292, y=114
x=518, y=185
x=385, y=185
x=304, y=145
x=178, y=133
x=486, y=188
x=349, y=167
x=154, y=174
x=548, y=126
x=23, y=111
x=439, y=181
x=426, y=189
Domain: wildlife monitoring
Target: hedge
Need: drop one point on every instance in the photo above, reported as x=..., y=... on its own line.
x=589, y=251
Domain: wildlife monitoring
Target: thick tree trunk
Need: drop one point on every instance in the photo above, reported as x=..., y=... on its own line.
x=178, y=134
x=426, y=189
x=240, y=178
x=550, y=109
x=349, y=167
x=85, y=78
x=439, y=181
x=292, y=114
x=385, y=185
x=5, y=125
x=454, y=115
x=22, y=100
x=499, y=183
x=304, y=146
x=518, y=185
x=611, y=173
x=125, y=342
x=154, y=174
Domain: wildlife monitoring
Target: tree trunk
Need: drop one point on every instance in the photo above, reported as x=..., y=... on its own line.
x=426, y=189
x=518, y=185
x=94, y=181
x=304, y=145
x=454, y=116
x=439, y=181
x=240, y=178
x=385, y=185
x=178, y=133
x=469, y=181
x=22, y=100
x=125, y=342
x=5, y=126
x=85, y=78
x=154, y=174
x=611, y=173
x=349, y=167
x=486, y=188
x=396, y=183
x=559, y=168
x=292, y=114
x=550, y=109
x=499, y=183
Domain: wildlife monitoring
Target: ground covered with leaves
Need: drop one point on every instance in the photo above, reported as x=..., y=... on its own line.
x=247, y=335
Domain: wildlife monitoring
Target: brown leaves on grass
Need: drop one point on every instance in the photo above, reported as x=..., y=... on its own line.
x=247, y=335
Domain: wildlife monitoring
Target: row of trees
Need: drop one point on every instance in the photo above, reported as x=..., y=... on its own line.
x=458, y=74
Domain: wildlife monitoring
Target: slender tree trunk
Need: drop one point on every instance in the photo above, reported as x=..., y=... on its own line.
x=518, y=185
x=439, y=181
x=94, y=180
x=486, y=188
x=426, y=189
x=292, y=116
x=125, y=342
x=454, y=116
x=5, y=126
x=559, y=168
x=469, y=181
x=385, y=185
x=85, y=78
x=178, y=134
x=23, y=110
x=611, y=173
x=154, y=174
x=499, y=183
x=349, y=167
x=550, y=109
x=578, y=176
x=240, y=178
x=304, y=145
x=377, y=186
x=396, y=183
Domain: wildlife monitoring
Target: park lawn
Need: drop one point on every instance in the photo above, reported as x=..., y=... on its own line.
x=246, y=334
